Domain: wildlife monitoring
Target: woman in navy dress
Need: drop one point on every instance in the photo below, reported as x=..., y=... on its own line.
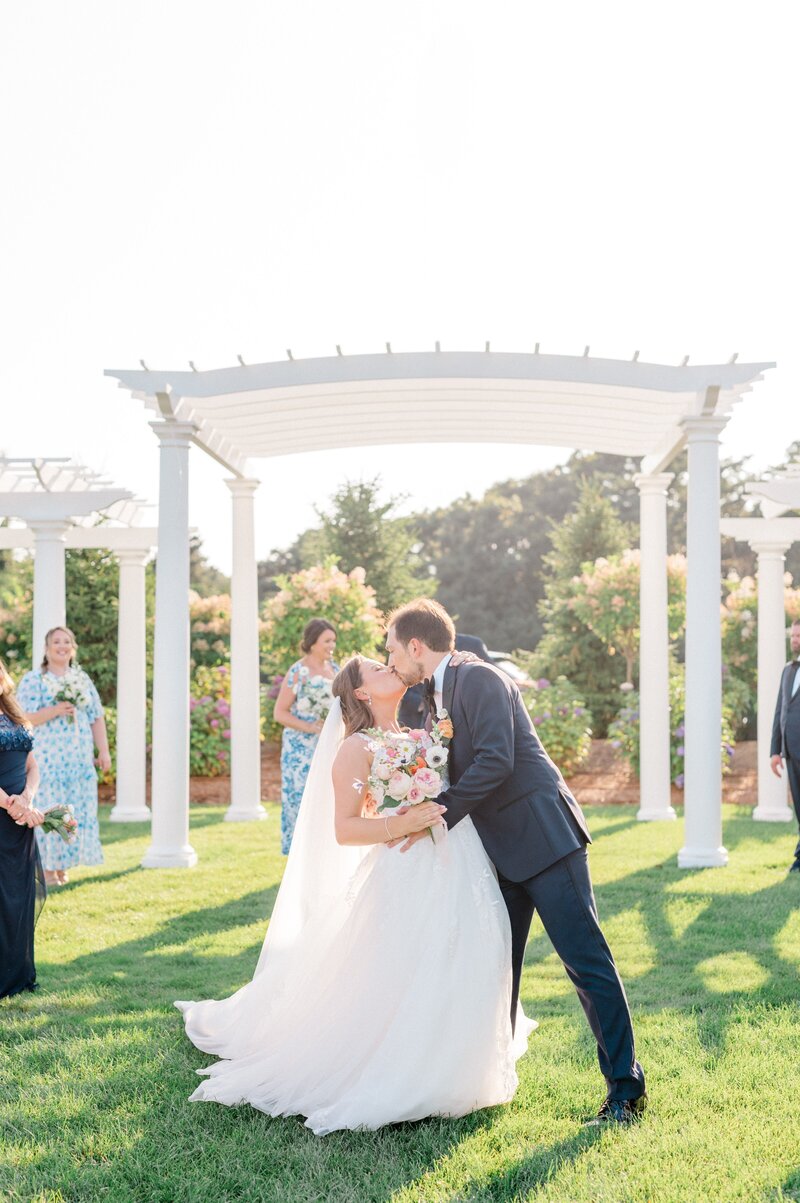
x=22, y=888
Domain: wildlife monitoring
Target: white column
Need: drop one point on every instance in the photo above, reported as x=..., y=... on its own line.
x=131, y=806
x=245, y=702
x=654, y=717
x=49, y=580
x=703, y=721
x=772, y=802
x=170, y=845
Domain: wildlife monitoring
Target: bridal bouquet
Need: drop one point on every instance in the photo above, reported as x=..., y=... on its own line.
x=317, y=699
x=72, y=690
x=408, y=767
x=61, y=819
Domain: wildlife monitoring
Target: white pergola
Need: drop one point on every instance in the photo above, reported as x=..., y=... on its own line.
x=626, y=407
x=55, y=504
x=770, y=538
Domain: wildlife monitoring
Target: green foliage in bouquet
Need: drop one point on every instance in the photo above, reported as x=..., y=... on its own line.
x=561, y=719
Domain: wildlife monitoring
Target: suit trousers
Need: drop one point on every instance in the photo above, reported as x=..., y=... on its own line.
x=793, y=773
x=563, y=896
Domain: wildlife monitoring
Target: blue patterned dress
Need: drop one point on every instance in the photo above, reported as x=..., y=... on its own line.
x=297, y=749
x=64, y=749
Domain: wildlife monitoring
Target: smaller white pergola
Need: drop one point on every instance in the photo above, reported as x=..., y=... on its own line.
x=257, y=411
x=770, y=538
x=55, y=504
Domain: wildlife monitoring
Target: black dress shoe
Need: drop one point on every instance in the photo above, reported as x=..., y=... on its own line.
x=619, y=1111
x=795, y=868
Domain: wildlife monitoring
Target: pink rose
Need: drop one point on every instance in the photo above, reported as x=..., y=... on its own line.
x=429, y=782
x=214, y=722
x=398, y=786
x=415, y=794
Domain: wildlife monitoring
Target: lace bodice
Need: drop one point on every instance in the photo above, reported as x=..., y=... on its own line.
x=13, y=736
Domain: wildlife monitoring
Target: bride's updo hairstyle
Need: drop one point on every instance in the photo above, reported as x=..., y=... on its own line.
x=356, y=713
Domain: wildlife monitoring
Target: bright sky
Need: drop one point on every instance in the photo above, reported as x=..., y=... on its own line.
x=188, y=180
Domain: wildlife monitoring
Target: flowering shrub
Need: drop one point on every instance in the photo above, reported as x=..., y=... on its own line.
x=323, y=591
x=624, y=731
x=110, y=715
x=739, y=615
x=210, y=722
x=272, y=730
x=605, y=597
x=562, y=721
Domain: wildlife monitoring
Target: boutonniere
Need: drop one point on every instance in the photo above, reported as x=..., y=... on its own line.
x=442, y=728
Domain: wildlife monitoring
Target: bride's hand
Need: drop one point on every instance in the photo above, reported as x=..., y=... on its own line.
x=422, y=816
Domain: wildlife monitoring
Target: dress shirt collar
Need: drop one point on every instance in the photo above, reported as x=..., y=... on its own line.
x=438, y=676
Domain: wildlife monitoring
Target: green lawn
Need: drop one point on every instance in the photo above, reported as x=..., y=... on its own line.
x=96, y=1071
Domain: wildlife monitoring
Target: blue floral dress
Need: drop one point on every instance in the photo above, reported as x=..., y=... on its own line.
x=64, y=749
x=297, y=747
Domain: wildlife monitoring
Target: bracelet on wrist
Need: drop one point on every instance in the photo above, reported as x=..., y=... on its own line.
x=389, y=836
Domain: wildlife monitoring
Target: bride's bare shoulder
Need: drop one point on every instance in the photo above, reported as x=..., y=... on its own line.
x=355, y=745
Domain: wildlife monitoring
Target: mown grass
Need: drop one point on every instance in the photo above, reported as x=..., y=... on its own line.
x=96, y=1070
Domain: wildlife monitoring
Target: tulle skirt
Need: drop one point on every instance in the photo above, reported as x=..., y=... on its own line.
x=394, y=1007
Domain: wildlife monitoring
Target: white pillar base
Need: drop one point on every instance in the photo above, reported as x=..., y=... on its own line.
x=702, y=858
x=245, y=815
x=652, y=816
x=139, y=814
x=763, y=815
x=183, y=857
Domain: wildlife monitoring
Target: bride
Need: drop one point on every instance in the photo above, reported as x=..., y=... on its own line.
x=383, y=989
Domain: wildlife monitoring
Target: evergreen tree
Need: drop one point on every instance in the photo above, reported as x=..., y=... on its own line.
x=592, y=529
x=204, y=578
x=359, y=531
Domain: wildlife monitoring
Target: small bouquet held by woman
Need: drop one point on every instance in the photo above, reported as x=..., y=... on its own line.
x=61, y=819
x=408, y=767
x=317, y=699
x=72, y=690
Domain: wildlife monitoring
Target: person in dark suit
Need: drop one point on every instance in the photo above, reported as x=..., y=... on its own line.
x=531, y=826
x=786, y=730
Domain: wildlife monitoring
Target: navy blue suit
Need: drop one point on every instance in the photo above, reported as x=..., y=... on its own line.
x=535, y=834
x=786, y=736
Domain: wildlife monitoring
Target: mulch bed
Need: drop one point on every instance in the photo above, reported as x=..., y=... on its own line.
x=605, y=779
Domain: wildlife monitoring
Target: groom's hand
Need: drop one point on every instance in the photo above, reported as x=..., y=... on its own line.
x=413, y=839
x=407, y=841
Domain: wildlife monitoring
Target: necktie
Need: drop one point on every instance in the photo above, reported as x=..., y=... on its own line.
x=796, y=681
x=429, y=686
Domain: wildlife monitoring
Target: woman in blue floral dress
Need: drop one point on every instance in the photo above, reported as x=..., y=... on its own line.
x=303, y=701
x=65, y=734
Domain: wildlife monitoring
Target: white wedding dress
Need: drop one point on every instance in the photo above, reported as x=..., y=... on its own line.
x=383, y=989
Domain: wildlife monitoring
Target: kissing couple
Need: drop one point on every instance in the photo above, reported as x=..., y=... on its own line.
x=387, y=988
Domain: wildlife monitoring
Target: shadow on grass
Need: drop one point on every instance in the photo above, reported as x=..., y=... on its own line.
x=727, y=924
x=542, y=1163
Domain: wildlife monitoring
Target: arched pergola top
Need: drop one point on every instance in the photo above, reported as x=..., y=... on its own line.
x=582, y=402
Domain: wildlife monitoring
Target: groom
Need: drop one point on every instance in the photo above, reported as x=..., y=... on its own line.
x=532, y=829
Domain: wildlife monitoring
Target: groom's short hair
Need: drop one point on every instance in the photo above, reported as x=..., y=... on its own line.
x=426, y=620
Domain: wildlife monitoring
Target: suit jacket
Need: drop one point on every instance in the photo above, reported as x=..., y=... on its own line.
x=786, y=724
x=502, y=777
